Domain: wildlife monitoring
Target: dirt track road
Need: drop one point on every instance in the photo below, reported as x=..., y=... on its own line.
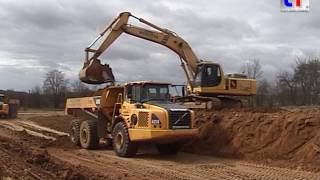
x=182, y=166
x=104, y=164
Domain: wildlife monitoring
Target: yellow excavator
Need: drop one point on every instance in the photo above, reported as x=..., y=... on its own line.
x=206, y=80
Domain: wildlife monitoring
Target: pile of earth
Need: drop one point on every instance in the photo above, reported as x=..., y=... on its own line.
x=289, y=135
x=283, y=137
x=26, y=157
x=57, y=122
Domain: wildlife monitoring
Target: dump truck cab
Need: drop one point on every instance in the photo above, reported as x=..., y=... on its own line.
x=132, y=114
x=151, y=115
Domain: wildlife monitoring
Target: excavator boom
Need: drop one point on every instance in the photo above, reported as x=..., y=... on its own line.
x=205, y=78
x=94, y=72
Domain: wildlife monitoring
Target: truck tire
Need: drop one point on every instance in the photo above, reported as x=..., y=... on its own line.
x=89, y=135
x=169, y=149
x=75, y=132
x=122, y=145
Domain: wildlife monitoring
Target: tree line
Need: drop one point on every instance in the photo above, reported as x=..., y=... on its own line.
x=296, y=87
x=52, y=93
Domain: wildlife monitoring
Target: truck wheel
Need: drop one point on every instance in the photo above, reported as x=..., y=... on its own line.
x=75, y=132
x=121, y=142
x=89, y=135
x=169, y=149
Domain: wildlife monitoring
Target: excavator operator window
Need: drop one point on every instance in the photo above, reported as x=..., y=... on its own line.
x=208, y=75
x=198, y=79
x=212, y=76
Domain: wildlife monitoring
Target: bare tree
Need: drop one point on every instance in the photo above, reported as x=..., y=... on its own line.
x=286, y=88
x=301, y=87
x=35, y=99
x=252, y=69
x=264, y=93
x=80, y=88
x=36, y=90
x=55, y=85
x=307, y=76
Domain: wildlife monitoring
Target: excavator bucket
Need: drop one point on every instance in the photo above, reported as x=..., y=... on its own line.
x=93, y=72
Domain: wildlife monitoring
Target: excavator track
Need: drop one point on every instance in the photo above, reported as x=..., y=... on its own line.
x=212, y=103
x=233, y=102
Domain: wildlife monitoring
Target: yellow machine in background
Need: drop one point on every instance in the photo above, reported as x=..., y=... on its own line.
x=129, y=115
x=206, y=80
x=8, y=107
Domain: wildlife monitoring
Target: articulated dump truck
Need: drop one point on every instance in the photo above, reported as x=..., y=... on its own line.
x=8, y=107
x=130, y=115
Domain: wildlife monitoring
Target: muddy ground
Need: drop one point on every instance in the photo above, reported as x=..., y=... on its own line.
x=237, y=144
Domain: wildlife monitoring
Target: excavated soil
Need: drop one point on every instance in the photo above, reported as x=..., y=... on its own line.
x=58, y=122
x=290, y=136
x=26, y=157
x=232, y=144
x=281, y=137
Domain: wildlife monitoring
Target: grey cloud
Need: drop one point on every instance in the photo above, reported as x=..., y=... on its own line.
x=45, y=34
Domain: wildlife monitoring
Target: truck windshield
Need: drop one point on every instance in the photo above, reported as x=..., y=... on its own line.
x=156, y=93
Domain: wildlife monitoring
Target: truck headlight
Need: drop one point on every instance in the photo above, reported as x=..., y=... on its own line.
x=155, y=120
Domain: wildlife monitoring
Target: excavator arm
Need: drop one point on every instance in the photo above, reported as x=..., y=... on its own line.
x=94, y=72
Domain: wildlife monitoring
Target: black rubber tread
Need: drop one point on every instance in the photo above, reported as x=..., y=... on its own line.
x=91, y=141
x=170, y=149
x=128, y=148
x=74, y=131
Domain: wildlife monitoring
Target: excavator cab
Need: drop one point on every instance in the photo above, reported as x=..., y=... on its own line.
x=208, y=75
x=93, y=72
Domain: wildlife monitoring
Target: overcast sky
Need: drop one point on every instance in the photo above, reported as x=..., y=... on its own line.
x=41, y=35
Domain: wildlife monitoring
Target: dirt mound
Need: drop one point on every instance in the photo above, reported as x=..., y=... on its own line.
x=290, y=136
x=60, y=142
x=260, y=135
x=21, y=160
x=57, y=122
